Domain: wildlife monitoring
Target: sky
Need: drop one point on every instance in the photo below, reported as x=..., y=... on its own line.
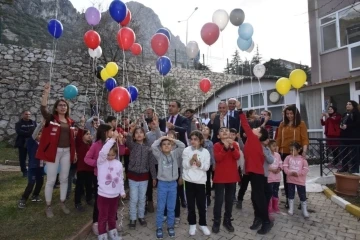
x=281, y=27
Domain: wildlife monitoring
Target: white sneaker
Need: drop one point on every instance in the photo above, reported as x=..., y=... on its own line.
x=95, y=229
x=205, y=230
x=192, y=230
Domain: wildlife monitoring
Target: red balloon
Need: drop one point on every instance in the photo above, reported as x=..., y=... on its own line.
x=126, y=38
x=205, y=85
x=136, y=49
x=119, y=99
x=210, y=33
x=127, y=19
x=160, y=44
x=92, y=39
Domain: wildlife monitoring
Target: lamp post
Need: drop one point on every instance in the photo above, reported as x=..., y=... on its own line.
x=187, y=24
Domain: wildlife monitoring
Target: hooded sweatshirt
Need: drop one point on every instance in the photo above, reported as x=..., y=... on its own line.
x=193, y=173
x=168, y=164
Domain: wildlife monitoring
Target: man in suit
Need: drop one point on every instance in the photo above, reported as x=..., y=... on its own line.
x=234, y=113
x=221, y=120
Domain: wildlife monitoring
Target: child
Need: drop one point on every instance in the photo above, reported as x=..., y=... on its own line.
x=36, y=169
x=111, y=186
x=196, y=161
x=240, y=162
x=226, y=153
x=141, y=162
x=274, y=178
x=85, y=173
x=206, y=131
x=296, y=167
x=168, y=174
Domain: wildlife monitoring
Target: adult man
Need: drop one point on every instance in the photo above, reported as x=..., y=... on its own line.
x=221, y=120
x=232, y=112
x=24, y=129
x=193, y=122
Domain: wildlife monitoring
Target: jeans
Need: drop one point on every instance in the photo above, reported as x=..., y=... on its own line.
x=107, y=213
x=245, y=179
x=195, y=194
x=137, y=198
x=300, y=189
x=229, y=189
x=259, y=196
x=274, y=186
x=166, y=196
x=84, y=179
x=35, y=178
x=22, y=159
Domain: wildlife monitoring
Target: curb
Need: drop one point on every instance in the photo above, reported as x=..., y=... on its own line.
x=82, y=234
x=350, y=208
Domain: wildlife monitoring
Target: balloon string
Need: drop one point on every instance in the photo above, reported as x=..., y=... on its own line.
x=95, y=92
x=261, y=92
x=52, y=60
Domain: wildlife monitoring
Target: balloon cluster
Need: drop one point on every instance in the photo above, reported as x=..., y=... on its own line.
x=245, y=30
x=160, y=43
x=92, y=38
x=296, y=79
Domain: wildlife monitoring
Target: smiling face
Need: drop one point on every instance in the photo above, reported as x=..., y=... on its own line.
x=289, y=115
x=222, y=108
x=232, y=104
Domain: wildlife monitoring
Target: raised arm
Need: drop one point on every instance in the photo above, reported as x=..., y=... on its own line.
x=44, y=102
x=37, y=130
x=105, y=150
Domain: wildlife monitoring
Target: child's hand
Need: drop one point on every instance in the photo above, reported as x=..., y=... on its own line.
x=278, y=170
x=180, y=181
x=120, y=138
x=123, y=196
x=295, y=174
x=154, y=182
x=194, y=157
x=198, y=163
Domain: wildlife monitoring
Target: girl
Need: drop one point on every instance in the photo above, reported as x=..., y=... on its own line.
x=274, y=178
x=111, y=185
x=196, y=161
x=141, y=162
x=206, y=131
x=296, y=167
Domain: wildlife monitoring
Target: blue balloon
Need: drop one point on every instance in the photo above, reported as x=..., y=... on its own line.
x=164, y=31
x=163, y=65
x=134, y=92
x=110, y=84
x=55, y=28
x=118, y=10
x=246, y=31
x=70, y=92
x=45, y=169
x=244, y=44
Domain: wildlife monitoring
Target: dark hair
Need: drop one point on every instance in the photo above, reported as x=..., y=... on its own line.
x=141, y=129
x=221, y=128
x=190, y=110
x=85, y=131
x=164, y=140
x=354, y=104
x=54, y=112
x=264, y=134
x=272, y=141
x=199, y=135
x=333, y=108
x=123, y=117
x=178, y=104
x=175, y=134
x=210, y=130
x=109, y=119
x=295, y=145
x=115, y=149
x=249, y=113
x=233, y=130
x=101, y=132
x=295, y=111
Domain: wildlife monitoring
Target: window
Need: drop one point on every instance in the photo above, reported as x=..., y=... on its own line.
x=244, y=101
x=257, y=100
x=328, y=35
x=354, y=57
x=310, y=108
x=357, y=86
x=337, y=96
x=276, y=113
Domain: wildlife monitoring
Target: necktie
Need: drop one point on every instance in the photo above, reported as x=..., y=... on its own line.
x=172, y=119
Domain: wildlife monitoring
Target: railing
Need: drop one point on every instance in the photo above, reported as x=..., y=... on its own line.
x=334, y=155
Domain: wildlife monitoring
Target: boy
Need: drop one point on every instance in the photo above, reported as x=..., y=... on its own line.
x=226, y=153
x=167, y=176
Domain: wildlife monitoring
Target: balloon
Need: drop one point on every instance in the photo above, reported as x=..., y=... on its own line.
x=136, y=49
x=220, y=18
x=126, y=38
x=283, y=85
x=92, y=39
x=104, y=74
x=95, y=53
x=192, y=49
x=246, y=31
x=205, y=85
x=58, y=170
x=259, y=70
x=251, y=47
x=110, y=84
x=166, y=32
x=127, y=19
x=118, y=10
x=244, y=44
x=159, y=44
x=119, y=99
x=98, y=70
x=210, y=33
x=163, y=65
x=237, y=17
x=298, y=78
x=55, y=28
x=70, y=91
x=92, y=16
x=112, y=69
x=134, y=92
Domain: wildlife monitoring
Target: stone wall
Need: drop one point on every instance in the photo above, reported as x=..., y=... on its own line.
x=24, y=71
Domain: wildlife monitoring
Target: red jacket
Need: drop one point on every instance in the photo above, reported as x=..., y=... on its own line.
x=81, y=150
x=332, y=125
x=50, y=138
x=226, y=170
x=253, y=151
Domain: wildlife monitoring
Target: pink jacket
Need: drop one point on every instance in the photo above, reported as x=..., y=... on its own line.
x=93, y=154
x=276, y=165
x=296, y=164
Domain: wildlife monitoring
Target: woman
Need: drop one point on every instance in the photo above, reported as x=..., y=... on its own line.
x=350, y=129
x=332, y=130
x=56, y=147
x=290, y=130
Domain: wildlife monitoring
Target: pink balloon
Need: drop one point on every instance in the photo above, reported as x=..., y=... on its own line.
x=210, y=33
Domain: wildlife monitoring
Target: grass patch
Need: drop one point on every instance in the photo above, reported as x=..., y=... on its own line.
x=31, y=222
x=8, y=152
x=353, y=200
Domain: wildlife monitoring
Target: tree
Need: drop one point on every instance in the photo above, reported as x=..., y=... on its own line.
x=235, y=64
x=276, y=68
x=307, y=70
x=257, y=57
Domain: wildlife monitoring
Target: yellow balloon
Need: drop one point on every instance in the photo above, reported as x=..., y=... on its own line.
x=112, y=69
x=104, y=74
x=297, y=78
x=283, y=85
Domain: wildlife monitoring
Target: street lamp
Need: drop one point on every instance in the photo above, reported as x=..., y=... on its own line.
x=187, y=24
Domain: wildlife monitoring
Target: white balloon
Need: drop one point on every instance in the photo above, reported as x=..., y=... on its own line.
x=95, y=53
x=192, y=49
x=259, y=70
x=251, y=47
x=220, y=18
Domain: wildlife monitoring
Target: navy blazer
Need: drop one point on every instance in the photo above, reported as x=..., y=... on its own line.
x=216, y=126
x=181, y=126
